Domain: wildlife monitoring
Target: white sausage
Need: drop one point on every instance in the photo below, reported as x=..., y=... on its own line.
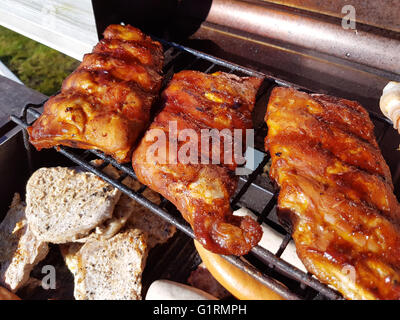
x=390, y=103
x=170, y=290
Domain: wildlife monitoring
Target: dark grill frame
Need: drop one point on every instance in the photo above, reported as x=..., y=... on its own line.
x=263, y=265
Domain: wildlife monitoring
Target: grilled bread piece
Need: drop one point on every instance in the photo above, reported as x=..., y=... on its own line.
x=195, y=101
x=108, y=269
x=105, y=103
x=336, y=192
x=128, y=212
x=157, y=229
x=20, y=250
x=120, y=215
x=64, y=204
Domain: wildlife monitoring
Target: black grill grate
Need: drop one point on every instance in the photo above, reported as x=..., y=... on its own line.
x=267, y=267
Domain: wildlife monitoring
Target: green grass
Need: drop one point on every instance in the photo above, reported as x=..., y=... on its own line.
x=36, y=65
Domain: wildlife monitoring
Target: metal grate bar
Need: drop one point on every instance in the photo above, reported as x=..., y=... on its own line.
x=249, y=181
x=208, y=70
x=268, y=208
x=294, y=273
x=217, y=61
x=283, y=245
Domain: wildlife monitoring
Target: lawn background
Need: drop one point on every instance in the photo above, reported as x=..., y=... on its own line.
x=36, y=65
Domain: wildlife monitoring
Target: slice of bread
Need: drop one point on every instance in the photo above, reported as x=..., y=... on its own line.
x=20, y=250
x=65, y=204
x=120, y=216
x=130, y=213
x=158, y=230
x=108, y=269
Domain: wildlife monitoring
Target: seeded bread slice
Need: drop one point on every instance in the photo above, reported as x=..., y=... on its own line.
x=20, y=250
x=157, y=229
x=121, y=213
x=64, y=204
x=129, y=213
x=108, y=269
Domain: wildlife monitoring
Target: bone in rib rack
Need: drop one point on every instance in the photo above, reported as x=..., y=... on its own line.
x=265, y=266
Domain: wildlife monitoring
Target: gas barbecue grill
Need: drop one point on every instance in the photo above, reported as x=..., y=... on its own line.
x=230, y=53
